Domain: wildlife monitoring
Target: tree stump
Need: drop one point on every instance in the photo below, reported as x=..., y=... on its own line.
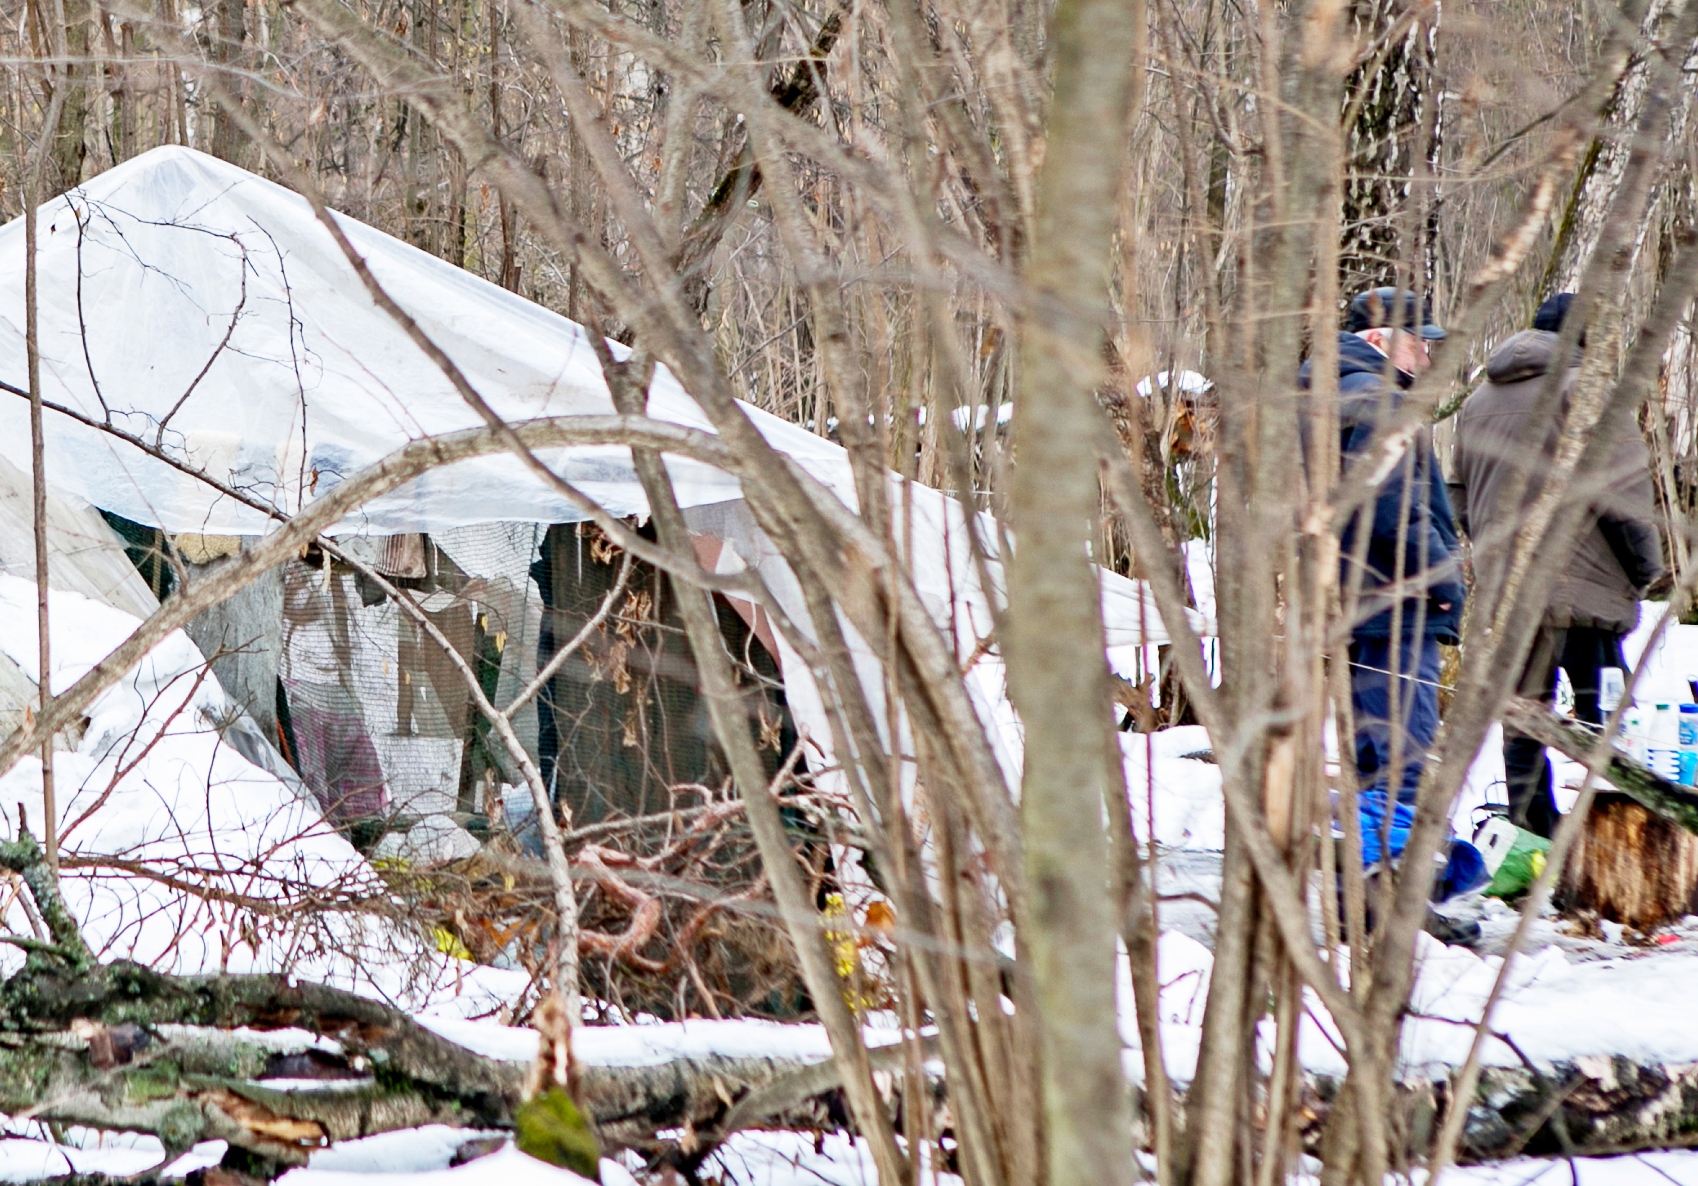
x=1632, y=866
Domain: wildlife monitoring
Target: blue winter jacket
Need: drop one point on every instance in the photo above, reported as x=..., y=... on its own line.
x=1431, y=532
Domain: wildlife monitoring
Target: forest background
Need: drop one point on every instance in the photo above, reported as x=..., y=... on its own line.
x=868, y=217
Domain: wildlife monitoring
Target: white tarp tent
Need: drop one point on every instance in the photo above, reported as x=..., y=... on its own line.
x=195, y=304
x=87, y=557
x=216, y=315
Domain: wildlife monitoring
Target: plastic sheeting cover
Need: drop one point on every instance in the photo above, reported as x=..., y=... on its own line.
x=217, y=317
x=84, y=554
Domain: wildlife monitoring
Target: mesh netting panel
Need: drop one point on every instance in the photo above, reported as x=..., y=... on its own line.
x=380, y=719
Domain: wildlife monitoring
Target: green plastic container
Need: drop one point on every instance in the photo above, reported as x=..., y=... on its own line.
x=1514, y=856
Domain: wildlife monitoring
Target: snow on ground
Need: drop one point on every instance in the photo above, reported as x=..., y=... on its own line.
x=193, y=802
x=412, y=1150
x=787, y=1159
x=152, y=791
x=1553, y=1009
x=1184, y=790
x=423, y=1157
x=24, y=1159
x=188, y=803
x=783, y=1159
x=792, y=1159
x=650, y=1045
x=653, y=1044
x=412, y=1157
x=1639, y=1169
x=505, y=1167
x=420, y=1157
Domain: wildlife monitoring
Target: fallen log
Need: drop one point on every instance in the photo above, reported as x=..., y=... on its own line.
x=189, y=1083
x=189, y=1086
x=120, y=1047
x=1671, y=801
x=1589, y=1106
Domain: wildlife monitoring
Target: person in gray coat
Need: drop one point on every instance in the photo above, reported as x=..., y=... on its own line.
x=1503, y=440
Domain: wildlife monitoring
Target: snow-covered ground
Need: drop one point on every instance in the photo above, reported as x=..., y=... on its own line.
x=151, y=786
x=1554, y=1009
x=179, y=853
x=421, y=1157
x=654, y=1044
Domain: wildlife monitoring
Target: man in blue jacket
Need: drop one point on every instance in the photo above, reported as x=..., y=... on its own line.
x=1382, y=347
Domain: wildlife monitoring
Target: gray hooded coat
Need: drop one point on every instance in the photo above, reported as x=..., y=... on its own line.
x=1500, y=435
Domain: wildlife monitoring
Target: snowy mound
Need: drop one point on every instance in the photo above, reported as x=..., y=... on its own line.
x=179, y=853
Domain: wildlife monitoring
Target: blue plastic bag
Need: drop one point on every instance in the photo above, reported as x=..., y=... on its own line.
x=1465, y=868
x=1373, y=806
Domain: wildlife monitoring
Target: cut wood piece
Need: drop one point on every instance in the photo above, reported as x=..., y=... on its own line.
x=1631, y=866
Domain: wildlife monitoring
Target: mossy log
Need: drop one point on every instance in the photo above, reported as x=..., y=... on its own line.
x=1671, y=801
x=1591, y=1106
x=118, y=1046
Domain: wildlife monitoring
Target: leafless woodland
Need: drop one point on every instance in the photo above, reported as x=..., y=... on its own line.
x=864, y=217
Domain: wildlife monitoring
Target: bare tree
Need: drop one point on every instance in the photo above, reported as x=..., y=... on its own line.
x=888, y=222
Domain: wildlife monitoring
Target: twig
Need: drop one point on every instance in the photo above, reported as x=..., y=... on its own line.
x=38, y=470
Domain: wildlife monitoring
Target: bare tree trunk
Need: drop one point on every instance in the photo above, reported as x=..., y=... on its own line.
x=68, y=41
x=1388, y=99
x=1602, y=165
x=1055, y=641
x=508, y=214
x=226, y=28
x=125, y=93
x=38, y=477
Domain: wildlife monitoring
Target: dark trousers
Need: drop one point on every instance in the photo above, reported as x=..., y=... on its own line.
x=1418, y=706
x=1582, y=651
